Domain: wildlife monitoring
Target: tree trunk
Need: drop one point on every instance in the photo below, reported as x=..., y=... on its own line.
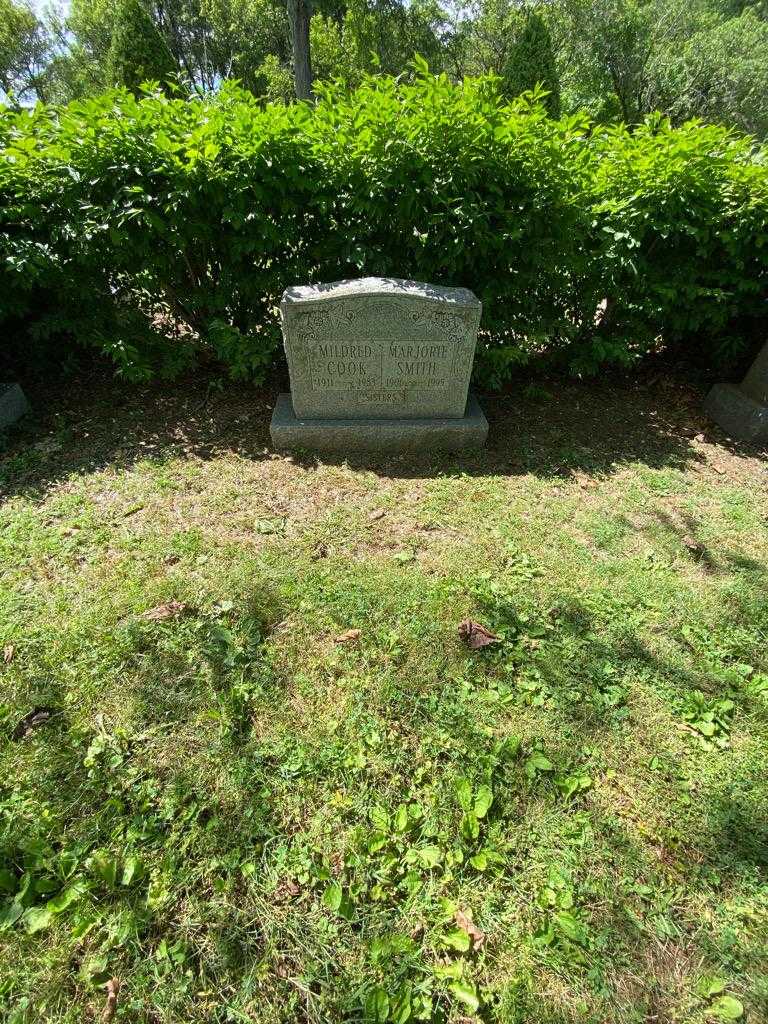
x=299, y=13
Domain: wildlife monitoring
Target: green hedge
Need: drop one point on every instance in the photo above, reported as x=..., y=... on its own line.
x=158, y=230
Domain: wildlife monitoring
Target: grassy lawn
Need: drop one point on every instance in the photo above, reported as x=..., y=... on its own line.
x=246, y=812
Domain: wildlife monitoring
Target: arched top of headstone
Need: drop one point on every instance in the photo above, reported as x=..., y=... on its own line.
x=370, y=287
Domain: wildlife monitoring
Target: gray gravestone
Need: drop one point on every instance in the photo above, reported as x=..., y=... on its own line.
x=13, y=404
x=379, y=363
x=743, y=411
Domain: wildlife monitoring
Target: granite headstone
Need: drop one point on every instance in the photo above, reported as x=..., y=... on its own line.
x=379, y=363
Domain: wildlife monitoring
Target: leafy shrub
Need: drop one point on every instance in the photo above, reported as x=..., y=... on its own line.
x=158, y=230
x=684, y=217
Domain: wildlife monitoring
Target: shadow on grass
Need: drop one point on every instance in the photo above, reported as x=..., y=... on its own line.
x=567, y=428
x=582, y=682
x=686, y=530
x=211, y=665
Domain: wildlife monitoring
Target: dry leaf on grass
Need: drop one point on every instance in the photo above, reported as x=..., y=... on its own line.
x=476, y=636
x=8, y=652
x=286, y=889
x=113, y=989
x=349, y=635
x=379, y=513
x=169, y=610
x=31, y=721
x=465, y=921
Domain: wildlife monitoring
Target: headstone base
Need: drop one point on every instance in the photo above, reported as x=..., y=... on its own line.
x=13, y=404
x=377, y=435
x=737, y=413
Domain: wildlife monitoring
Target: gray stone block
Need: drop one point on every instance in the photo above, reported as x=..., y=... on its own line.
x=343, y=436
x=737, y=413
x=379, y=347
x=13, y=404
x=755, y=384
x=743, y=411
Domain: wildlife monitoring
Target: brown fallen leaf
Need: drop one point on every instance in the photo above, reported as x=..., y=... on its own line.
x=8, y=652
x=379, y=513
x=113, y=990
x=350, y=634
x=287, y=889
x=31, y=721
x=476, y=636
x=465, y=921
x=169, y=610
